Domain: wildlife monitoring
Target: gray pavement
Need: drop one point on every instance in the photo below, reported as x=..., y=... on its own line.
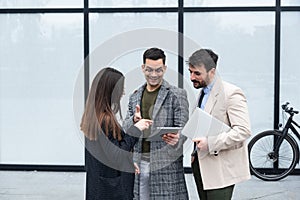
x=32, y=185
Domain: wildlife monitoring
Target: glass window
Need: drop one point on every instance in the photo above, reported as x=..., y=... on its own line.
x=246, y=56
x=290, y=60
x=40, y=58
x=125, y=37
x=133, y=3
x=41, y=3
x=290, y=3
x=228, y=3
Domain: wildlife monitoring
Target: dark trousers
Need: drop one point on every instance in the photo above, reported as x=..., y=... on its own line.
x=215, y=194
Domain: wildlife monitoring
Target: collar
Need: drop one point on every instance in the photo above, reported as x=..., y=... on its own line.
x=164, y=85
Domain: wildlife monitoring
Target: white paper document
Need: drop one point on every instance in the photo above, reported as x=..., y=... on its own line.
x=202, y=124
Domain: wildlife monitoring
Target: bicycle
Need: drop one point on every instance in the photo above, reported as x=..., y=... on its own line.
x=273, y=154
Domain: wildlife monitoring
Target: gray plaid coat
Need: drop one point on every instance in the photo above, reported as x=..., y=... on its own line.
x=166, y=162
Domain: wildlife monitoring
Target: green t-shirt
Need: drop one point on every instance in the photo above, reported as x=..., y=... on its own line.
x=148, y=101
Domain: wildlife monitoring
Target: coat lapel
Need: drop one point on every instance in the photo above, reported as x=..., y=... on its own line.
x=163, y=92
x=213, y=96
x=139, y=94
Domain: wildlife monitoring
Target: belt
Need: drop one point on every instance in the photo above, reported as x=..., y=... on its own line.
x=145, y=158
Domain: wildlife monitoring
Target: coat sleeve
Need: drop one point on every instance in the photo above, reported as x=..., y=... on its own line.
x=128, y=122
x=128, y=139
x=181, y=106
x=117, y=154
x=238, y=117
x=181, y=114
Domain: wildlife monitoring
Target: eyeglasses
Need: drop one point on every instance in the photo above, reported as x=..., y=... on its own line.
x=149, y=70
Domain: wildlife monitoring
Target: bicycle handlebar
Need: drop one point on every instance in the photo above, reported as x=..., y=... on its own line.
x=289, y=110
x=283, y=106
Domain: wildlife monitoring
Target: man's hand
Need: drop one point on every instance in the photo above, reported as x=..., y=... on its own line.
x=192, y=159
x=137, y=115
x=137, y=169
x=201, y=143
x=171, y=138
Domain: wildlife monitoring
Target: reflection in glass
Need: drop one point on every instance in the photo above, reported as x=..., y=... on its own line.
x=290, y=3
x=130, y=62
x=40, y=57
x=41, y=3
x=228, y=3
x=290, y=60
x=246, y=55
x=133, y=3
x=121, y=23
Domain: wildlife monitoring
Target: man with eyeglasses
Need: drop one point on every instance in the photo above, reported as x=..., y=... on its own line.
x=159, y=163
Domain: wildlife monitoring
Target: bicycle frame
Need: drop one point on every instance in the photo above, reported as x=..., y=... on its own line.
x=289, y=125
x=294, y=129
x=273, y=154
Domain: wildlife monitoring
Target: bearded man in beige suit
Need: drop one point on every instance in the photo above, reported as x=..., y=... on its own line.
x=227, y=160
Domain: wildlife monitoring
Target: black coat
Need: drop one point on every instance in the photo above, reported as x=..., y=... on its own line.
x=109, y=167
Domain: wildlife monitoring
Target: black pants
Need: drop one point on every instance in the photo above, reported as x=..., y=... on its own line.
x=215, y=194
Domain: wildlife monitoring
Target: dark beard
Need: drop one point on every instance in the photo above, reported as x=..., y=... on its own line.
x=199, y=85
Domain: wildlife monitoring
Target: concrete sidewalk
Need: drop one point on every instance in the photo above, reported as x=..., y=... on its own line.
x=286, y=189
x=19, y=185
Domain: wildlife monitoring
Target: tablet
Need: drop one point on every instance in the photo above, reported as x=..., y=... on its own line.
x=160, y=131
x=164, y=130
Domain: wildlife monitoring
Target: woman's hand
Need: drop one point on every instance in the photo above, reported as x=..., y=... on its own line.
x=143, y=124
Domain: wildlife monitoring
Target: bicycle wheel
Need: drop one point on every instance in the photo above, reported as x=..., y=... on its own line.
x=264, y=164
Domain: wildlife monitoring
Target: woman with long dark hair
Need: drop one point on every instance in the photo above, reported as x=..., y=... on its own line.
x=109, y=164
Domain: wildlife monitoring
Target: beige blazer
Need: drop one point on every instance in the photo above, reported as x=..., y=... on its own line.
x=227, y=162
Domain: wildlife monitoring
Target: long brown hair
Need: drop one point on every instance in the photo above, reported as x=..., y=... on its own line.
x=102, y=104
